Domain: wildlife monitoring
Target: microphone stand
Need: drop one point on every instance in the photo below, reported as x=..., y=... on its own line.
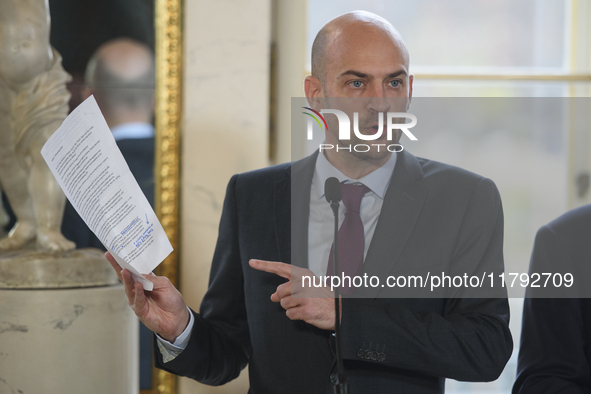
x=341, y=386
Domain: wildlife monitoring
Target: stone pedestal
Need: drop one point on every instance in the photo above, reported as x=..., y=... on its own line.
x=58, y=338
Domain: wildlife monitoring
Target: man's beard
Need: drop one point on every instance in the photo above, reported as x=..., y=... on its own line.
x=378, y=148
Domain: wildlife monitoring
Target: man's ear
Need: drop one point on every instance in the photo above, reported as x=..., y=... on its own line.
x=85, y=92
x=411, y=79
x=313, y=91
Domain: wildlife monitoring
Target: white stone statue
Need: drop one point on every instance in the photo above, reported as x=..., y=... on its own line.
x=33, y=104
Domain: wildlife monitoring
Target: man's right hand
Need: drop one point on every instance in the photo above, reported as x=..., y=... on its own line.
x=162, y=310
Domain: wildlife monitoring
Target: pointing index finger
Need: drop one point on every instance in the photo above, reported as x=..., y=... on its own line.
x=273, y=267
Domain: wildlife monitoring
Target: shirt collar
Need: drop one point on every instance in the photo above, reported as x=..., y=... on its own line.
x=134, y=130
x=376, y=180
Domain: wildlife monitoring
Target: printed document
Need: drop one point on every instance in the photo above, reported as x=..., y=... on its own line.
x=84, y=158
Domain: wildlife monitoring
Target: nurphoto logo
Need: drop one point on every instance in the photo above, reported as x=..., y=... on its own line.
x=394, y=121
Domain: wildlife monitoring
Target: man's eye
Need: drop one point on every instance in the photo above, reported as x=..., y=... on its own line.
x=356, y=84
x=395, y=84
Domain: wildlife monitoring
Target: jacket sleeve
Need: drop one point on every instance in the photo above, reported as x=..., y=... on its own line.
x=219, y=345
x=466, y=339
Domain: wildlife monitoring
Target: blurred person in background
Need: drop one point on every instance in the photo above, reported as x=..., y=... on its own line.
x=120, y=75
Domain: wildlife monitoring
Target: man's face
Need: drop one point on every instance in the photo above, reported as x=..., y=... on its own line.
x=366, y=73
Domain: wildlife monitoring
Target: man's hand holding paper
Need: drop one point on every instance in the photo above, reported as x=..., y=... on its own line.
x=163, y=310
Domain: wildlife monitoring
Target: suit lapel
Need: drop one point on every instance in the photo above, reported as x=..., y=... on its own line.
x=292, y=210
x=401, y=209
x=282, y=218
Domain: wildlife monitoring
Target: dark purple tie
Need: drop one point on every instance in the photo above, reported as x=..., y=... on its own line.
x=351, y=235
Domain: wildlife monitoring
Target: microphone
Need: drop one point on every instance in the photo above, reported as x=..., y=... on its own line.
x=334, y=194
x=332, y=190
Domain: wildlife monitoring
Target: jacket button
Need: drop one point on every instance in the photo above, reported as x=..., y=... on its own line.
x=374, y=356
x=381, y=356
x=360, y=353
x=333, y=378
x=368, y=354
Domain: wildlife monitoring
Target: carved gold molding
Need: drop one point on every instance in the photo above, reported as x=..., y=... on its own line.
x=169, y=60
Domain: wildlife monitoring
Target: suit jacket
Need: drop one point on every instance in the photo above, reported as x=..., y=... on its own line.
x=554, y=353
x=443, y=216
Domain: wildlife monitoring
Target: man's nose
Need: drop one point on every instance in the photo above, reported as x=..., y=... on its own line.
x=378, y=101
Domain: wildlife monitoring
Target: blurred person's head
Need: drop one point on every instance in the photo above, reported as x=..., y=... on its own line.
x=120, y=74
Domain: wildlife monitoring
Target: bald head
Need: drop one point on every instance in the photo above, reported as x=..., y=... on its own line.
x=121, y=76
x=351, y=25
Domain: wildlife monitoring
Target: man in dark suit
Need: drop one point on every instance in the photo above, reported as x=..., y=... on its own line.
x=430, y=215
x=554, y=353
x=120, y=75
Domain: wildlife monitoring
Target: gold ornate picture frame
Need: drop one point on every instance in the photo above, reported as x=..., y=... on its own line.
x=169, y=61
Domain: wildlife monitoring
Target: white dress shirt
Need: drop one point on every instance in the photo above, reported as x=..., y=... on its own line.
x=132, y=130
x=320, y=227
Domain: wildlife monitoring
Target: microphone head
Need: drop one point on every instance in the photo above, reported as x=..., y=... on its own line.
x=332, y=190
